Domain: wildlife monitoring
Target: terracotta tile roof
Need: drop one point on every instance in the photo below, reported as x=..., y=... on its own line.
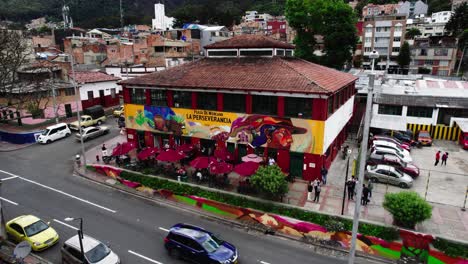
x=249, y=41
x=92, y=77
x=249, y=74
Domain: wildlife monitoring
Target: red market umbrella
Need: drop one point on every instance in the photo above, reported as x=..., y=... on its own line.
x=185, y=148
x=123, y=148
x=170, y=155
x=246, y=168
x=223, y=154
x=202, y=162
x=253, y=158
x=220, y=167
x=147, y=152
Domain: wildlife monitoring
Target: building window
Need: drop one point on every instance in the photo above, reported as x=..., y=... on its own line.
x=158, y=97
x=368, y=49
x=298, y=107
x=440, y=52
x=252, y=53
x=396, y=39
x=418, y=111
x=369, y=30
x=69, y=91
x=279, y=52
x=138, y=96
x=222, y=53
x=423, y=52
x=207, y=101
x=396, y=49
x=182, y=99
x=90, y=95
x=398, y=29
x=442, y=72
x=428, y=62
x=390, y=110
x=289, y=53
x=264, y=104
x=330, y=105
x=368, y=39
x=234, y=103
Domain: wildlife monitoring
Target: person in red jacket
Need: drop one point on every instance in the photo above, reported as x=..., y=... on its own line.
x=437, y=157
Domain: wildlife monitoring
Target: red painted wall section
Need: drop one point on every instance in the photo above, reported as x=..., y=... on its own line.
x=248, y=104
x=319, y=109
x=126, y=95
x=280, y=108
x=132, y=135
x=282, y=159
x=194, y=100
x=148, y=97
x=220, y=101
x=149, y=139
x=170, y=98
x=311, y=167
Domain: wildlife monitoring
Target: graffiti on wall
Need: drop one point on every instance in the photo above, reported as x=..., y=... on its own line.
x=294, y=134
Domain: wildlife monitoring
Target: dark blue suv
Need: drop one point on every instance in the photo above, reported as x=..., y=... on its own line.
x=198, y=245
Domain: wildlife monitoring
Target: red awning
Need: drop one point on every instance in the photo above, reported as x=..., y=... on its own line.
x=147, y=152
x=223, y=154
x=220, y=167
x=123, y=148
x=185, y=148
x=246, y=168
x=170, y=155
x=202, y=162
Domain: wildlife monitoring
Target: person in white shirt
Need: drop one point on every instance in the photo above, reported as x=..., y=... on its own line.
x=271, y=161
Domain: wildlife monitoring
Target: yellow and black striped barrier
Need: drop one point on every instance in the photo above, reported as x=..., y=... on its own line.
x=438, y=131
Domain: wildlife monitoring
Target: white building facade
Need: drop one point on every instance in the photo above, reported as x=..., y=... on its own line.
x=161, y=21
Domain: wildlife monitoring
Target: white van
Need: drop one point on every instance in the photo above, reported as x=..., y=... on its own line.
x=53, y=133
x=391, y=145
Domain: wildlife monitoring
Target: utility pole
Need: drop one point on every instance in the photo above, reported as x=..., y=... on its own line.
x=362, y=159
x=461, y=59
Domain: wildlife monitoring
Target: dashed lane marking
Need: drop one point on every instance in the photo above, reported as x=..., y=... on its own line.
x=164, y=229
x=6, y=200
x=9, y=178
x=65, y=224
x=143, y=257
x=59, y=191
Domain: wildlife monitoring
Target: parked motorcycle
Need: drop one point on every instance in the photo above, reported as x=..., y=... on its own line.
x=345, y=152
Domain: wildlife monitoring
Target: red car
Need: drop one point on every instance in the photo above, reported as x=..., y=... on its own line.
x=403, y=145
x=424, y=138
x=396, y=162
x=463, y=140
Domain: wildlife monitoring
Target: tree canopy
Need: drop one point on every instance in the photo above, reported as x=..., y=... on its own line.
x=270, y=180
x=404, y=57
x=412, y=32
x=334, y=20
x=459, y=20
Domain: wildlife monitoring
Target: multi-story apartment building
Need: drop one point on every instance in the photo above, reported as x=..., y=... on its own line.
x=250, y=94
x=385, y=34
x=430, y=26
x=412, y=8
x=435, y=54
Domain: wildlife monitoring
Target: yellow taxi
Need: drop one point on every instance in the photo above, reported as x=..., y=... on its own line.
x=119, y=111
x=33, y=230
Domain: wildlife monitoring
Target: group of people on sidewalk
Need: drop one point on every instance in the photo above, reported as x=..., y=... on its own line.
x=366, y=190
x=316, y=186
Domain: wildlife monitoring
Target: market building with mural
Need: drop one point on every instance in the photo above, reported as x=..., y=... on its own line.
x=251, y=95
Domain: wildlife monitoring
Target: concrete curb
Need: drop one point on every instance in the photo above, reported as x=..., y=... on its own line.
x=23, y=146
x=317, y=248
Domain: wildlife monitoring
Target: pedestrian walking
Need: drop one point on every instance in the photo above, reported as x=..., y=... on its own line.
x=350, y=184
x=365, y=195
x=104, y=150
x=310, y=188
x=437, y=158
x=444, y=159
x=324, y=173
x=370, y=186
x=317, y=190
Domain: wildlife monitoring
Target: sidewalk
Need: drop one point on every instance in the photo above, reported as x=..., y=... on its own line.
x=6, y=256
x=7, y=146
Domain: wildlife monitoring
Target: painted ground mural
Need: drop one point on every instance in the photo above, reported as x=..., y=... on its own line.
x=411, y=243
x=294, y=134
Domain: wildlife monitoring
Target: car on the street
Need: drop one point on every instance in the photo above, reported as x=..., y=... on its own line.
x=403, y=145
x=92, y=132
x=394, y=161
x=94, y=250
x=389, y=145
x=33, y=230
x=119, y=111
x=53, y=133
x=198, y=245
x=389, y=175
x=378, y=151
x=424, y=138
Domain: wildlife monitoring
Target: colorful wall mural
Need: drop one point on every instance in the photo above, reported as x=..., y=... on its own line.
x=412, y=243
x=294, y=134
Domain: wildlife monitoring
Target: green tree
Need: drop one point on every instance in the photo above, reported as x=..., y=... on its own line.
x=407, y=208
x=404, y=57
x=412, y=32
x=271, y=181
x=438, y=5
x=332, y=19
x=459, y=20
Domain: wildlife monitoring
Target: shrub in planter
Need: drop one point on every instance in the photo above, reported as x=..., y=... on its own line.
x=407, y=208
x=270, y=181
x=450, y=248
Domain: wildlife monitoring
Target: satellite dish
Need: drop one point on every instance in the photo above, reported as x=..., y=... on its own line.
x=22, y=250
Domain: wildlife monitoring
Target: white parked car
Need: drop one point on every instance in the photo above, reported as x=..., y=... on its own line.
x=95, y=252
x=53, y=133
x=389, y=145
x=378, y=153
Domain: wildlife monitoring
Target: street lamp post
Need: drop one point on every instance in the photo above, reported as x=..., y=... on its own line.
x=362, y=159
x=80, y=235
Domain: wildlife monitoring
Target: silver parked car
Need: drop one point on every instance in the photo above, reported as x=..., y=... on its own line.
x=95, y=252
x=388, y=174
x=92, y=132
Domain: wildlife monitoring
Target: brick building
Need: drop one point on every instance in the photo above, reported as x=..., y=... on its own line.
x=250, y=94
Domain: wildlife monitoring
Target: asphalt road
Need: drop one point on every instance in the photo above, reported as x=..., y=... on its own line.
x=39, y=180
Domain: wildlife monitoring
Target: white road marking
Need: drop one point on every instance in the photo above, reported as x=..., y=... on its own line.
x=61, y=192
x=9, y=178
x=143, y=257
x=6, y=200
x=65, y=224
x=164, y=229
x=263, y=262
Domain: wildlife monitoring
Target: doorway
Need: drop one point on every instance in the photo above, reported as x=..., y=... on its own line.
x=102, y=99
